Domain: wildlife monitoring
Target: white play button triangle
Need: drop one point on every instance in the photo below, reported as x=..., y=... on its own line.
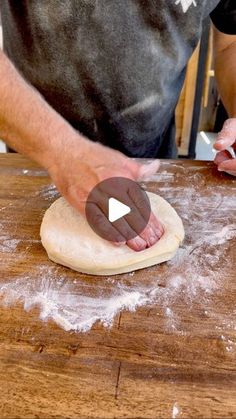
x=117, y=210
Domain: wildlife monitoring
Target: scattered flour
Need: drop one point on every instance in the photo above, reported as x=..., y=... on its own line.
x=176, y=411
x=48, y=192
x=7, y=244
x=196, y=277
x=67, y=309
x=59, y=300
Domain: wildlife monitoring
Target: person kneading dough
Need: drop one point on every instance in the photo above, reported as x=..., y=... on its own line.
x=85, y=86
x=70, y=241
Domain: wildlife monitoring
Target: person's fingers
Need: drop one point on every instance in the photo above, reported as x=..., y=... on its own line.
x=137, y=244
x=147, y=234
x=135, y=220
x=230, y=172
x=151, y=231
x=121, y=226
x=98, y=219
x=129, y=226
x=132, y=228
x=222, y=156
x=228, y=166
x=226, y=163
x=140, y=202
x=139, y=215
x=156, y=224
x=150, y=235
x=227, y=136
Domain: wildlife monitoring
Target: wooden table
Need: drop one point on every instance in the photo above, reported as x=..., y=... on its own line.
x=149, y=364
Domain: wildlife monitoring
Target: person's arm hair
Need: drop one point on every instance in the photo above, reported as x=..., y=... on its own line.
x=225, y=69
x=76, y=165
x=27, y=123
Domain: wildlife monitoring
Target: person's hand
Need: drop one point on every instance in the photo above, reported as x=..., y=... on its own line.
x=225, y=139
x=80, y=165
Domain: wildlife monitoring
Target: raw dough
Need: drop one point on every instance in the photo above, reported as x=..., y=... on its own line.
x=69, y=240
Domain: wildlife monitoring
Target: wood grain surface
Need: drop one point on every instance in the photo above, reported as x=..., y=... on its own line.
x=140, y=367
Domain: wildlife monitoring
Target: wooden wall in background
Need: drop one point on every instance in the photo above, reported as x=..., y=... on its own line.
x=184, y=110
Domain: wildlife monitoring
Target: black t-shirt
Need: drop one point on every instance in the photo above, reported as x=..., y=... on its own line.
x=113, y=68
x=224, y=16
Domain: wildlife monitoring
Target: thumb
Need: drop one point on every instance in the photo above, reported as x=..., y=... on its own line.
x=227, y=136
x=228, y=166
x=222, y=156
x=147, y=170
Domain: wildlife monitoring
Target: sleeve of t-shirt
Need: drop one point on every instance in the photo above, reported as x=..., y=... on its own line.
x=224, y=16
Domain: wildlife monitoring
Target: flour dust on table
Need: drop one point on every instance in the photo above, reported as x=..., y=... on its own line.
x=195, y=281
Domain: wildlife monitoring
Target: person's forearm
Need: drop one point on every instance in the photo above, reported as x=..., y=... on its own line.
x=225, y=70
x=75, y=164
x=27, y=123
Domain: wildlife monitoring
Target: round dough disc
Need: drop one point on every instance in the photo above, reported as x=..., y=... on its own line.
x=70, y=241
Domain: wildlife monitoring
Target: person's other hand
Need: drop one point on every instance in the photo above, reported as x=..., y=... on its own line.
x=79, y=165
x=225, y=139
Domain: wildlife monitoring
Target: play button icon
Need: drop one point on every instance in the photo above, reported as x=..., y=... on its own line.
x=117, y=210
